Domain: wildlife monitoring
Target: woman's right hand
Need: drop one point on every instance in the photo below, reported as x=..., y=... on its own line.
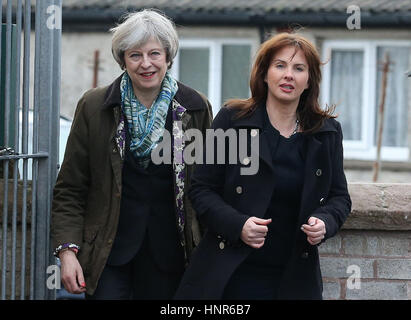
x=254, y=232
x=71, y=272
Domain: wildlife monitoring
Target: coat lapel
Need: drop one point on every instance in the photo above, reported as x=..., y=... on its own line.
x=118, y=141
x=265, y=151
x=112, y=103
x=256, y=121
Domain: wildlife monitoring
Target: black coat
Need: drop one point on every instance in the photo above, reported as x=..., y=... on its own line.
x=224, y=199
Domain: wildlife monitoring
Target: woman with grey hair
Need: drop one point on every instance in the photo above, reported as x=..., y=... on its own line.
x=122, y=224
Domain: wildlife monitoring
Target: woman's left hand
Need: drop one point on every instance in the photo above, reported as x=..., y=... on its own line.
x=315, y=230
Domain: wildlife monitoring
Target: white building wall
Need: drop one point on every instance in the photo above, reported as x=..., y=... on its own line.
x=78, y=54
x=77, y=61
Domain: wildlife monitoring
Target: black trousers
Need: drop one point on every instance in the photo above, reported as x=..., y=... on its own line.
x=253, y=282
x=139, y=279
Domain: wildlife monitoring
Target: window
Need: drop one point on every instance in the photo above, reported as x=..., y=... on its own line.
x=219, y=68
x=352, y=80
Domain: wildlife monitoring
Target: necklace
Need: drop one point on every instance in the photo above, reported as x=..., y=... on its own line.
x=295, y=129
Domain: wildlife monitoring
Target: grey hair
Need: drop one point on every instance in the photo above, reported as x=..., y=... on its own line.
x=139, y=27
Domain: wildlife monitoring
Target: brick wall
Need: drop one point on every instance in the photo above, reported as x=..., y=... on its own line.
x=370, y=258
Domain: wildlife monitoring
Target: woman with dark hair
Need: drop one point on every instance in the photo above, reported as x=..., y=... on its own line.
x=263, y=229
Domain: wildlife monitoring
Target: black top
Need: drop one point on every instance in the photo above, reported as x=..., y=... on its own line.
x=147, y=210
x=288, y=162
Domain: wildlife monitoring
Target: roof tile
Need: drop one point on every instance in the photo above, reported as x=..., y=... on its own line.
x=380, y=6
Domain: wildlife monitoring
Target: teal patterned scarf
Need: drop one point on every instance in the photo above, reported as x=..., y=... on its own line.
x=146, y=126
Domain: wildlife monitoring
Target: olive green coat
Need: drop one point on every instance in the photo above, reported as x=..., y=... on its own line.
x=87, y=193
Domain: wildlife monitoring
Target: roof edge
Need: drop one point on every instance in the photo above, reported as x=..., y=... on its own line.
x=331, y=19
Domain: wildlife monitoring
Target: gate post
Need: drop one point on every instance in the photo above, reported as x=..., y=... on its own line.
x=46, y=120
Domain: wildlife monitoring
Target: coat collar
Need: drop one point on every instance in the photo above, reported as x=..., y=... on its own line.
x=113, y=95
x=327, y=126
x=256, y=120
x=184, y=96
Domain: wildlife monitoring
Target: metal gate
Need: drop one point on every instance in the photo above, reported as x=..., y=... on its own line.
x=30, y=107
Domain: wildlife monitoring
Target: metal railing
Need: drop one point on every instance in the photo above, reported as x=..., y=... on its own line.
x=25, y=237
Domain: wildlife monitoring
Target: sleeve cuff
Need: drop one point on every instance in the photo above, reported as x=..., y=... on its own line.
x=65, y=246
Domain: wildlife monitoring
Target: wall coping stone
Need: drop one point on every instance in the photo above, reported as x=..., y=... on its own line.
x=375, y=206
x=379, y=206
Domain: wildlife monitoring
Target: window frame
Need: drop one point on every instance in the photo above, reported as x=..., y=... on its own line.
x=215, y=46
x=363, y=149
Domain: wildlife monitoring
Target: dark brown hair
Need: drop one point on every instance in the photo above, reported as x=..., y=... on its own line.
x=309, y=112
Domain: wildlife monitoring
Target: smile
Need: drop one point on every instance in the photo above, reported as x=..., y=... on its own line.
x=147, y=75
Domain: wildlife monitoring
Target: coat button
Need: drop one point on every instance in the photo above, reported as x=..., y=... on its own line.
x=239, y=190
x=221, y=245
x=246, y=161
x=254, y=132
x=318, y=172
x=304, y=255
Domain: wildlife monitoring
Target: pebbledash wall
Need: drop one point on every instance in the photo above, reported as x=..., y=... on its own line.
x=370, y=258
